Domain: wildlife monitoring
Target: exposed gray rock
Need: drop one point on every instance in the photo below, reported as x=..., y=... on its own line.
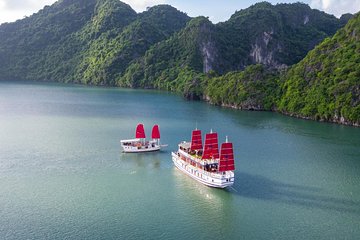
x=262, y=53
x=208, y=53
x=306, y=19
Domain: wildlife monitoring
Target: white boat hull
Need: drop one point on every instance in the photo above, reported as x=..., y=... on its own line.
x=210, y=179
x=134, y=149
x=140, y=144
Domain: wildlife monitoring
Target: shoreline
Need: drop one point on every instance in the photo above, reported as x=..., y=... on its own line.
x=206, y=100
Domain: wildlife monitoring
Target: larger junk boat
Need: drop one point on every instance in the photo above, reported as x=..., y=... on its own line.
x=140, y=144
x=205, y=164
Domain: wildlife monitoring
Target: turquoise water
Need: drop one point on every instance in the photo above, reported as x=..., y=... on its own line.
x=62, y=175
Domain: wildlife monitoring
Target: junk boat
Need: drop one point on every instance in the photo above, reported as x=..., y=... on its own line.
x=140, y=144
x=204, y=164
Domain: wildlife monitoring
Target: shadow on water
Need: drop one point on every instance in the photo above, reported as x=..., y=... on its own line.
x=261, y=188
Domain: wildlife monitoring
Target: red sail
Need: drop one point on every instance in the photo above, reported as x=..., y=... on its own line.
x=155, y=134
x=140, y=132
x=211, y=148
x=226, y=158
x=196, y=141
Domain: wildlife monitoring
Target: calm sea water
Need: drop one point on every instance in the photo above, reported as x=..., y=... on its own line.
x=63, y=176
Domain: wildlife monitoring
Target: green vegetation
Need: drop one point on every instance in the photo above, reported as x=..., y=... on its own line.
x=325, y=85
x=240, y=63
x=169, y=64
x=104, y=42
x=255, y=88
x=273, y=35
x=89, y=42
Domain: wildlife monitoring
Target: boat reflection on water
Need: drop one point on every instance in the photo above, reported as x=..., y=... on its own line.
x=215, y=199
x=141, y=160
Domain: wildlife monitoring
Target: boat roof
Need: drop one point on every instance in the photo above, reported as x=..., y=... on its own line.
x=130, y=140
x=185, y=145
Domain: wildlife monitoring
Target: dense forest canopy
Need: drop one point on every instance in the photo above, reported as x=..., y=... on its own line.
x=285, y=57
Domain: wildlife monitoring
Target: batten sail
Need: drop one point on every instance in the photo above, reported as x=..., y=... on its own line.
x=205, y=169
x=196, y=141
x=140, y=131
x=211, y=148
x=155, y=134
x=226, y=157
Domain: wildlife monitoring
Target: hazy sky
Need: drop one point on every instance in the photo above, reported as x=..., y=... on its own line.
x=216, y=10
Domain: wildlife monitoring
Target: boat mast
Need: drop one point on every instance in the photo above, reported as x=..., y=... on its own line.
x=140, y=132
x=226, y=162
x=211, y=148
x=155, y=134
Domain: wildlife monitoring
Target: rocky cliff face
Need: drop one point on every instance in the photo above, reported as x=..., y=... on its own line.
x=208, y=47
x=275, y=36
x=105, y=42
x=325, y=85
x=262, y=53
x=97, y=41
x=209, y=56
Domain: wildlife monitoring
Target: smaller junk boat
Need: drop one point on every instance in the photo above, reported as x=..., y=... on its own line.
x=205, y=164
x=140, y=144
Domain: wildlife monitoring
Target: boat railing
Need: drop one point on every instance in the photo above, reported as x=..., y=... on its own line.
x=217, y=175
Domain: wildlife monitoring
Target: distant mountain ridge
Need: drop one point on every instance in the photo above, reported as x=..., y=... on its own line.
x=82, y=41
x=275, y=36
x=239, y=63
x=324, y=86
x=97, y=41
